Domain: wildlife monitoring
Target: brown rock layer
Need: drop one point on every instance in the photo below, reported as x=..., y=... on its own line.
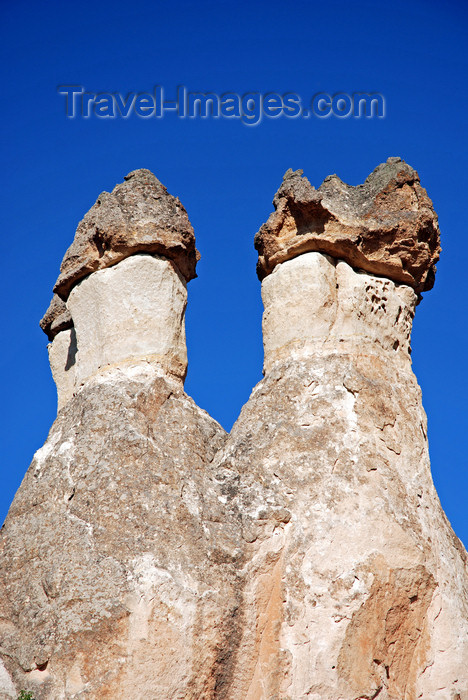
x=383, y=634
x=57, y=318
x=138, y=216
x=387, y=226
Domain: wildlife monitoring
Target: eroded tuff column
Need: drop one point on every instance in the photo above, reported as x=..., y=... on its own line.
x=130, y=312
x=121, y=293
x=355, y=585
x=116, y=579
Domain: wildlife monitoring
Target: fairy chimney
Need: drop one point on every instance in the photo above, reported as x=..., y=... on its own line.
x=147, y=554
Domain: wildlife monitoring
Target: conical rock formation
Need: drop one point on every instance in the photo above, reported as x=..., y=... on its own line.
x=117, y=579
x=305, y=555
x=355, y=585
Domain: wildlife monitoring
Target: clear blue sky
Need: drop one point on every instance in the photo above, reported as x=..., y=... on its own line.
x=226, y=173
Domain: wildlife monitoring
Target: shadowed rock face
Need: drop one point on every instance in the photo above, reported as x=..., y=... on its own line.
x=57, y=318
x=387, y=226
x=138, y=216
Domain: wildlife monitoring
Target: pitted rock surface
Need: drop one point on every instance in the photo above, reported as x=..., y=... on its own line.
x=386, y=226
x=138, y=216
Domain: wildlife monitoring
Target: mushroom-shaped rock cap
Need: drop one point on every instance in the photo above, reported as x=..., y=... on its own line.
x=138, y=216
x=57, y=318
x=387, y=226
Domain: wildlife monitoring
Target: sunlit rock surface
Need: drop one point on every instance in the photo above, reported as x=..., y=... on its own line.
x=355, y=586
x=148, y=555
x=386, y=226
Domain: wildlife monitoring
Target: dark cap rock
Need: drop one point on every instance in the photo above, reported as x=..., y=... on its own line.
x=139, y=215
x=386, y=226
x=57, y=318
